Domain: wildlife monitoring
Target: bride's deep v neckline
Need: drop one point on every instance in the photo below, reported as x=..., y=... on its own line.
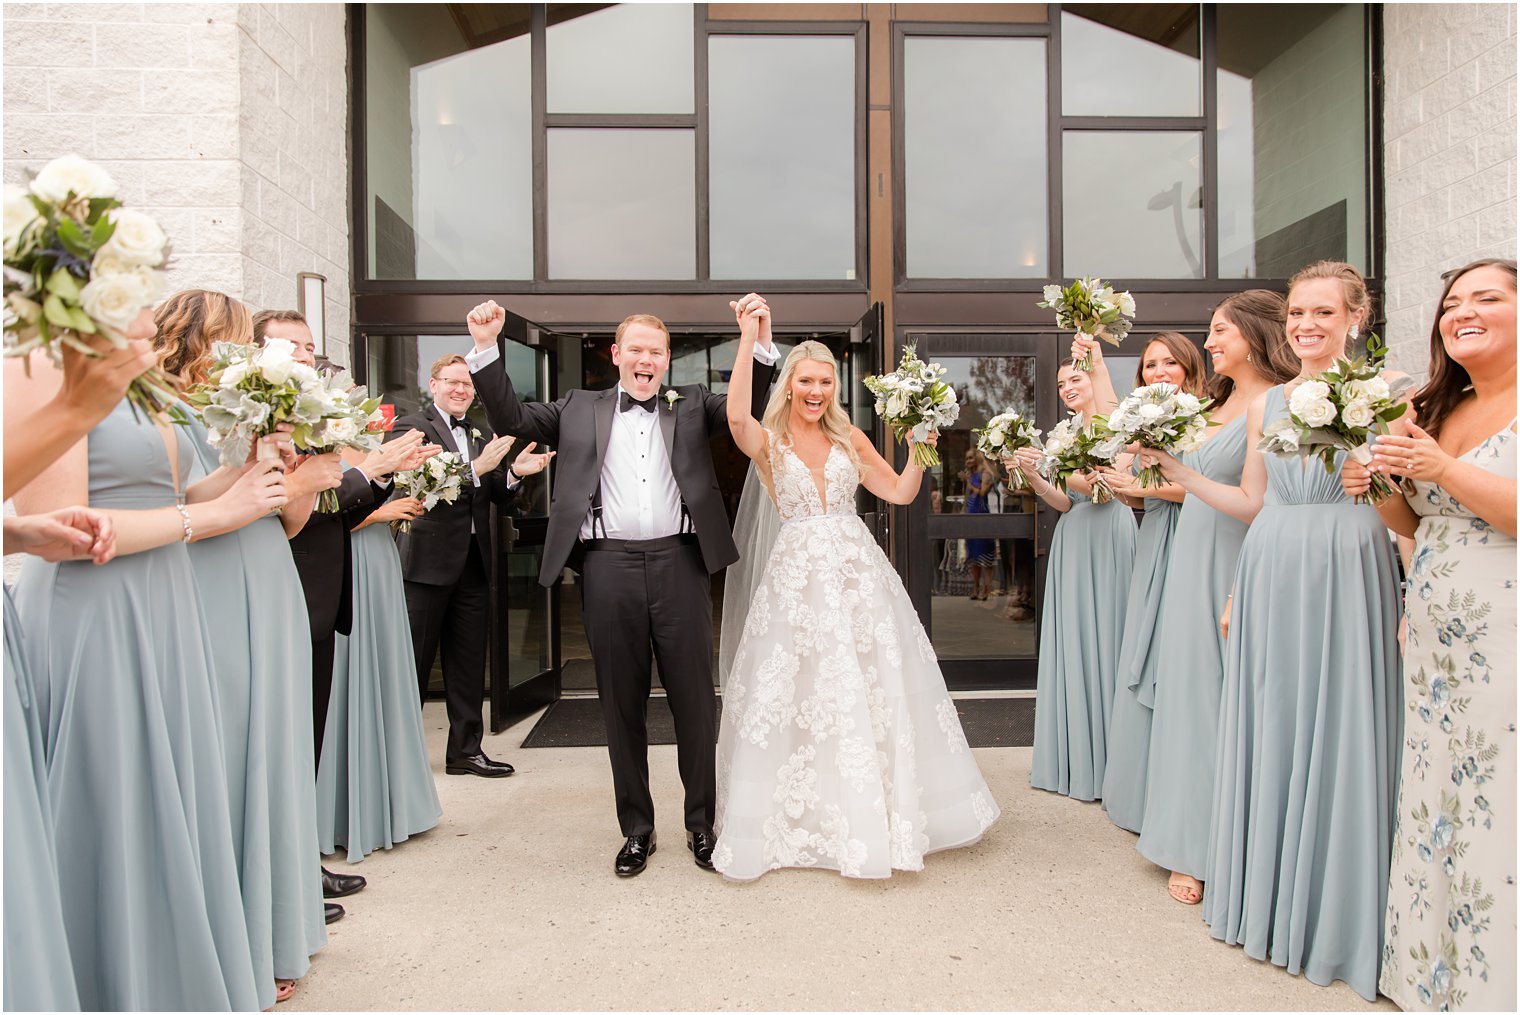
x=816, y=474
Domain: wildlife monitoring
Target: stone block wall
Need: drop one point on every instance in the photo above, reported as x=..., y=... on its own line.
x=227, y=122
x=1449, y=151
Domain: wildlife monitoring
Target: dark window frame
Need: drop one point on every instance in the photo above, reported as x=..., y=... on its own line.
x=363, y=284
x=1057, y=124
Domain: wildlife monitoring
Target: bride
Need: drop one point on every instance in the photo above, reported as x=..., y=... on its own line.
x=839, y=746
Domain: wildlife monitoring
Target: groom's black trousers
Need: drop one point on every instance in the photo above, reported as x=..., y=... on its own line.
x=638, y=597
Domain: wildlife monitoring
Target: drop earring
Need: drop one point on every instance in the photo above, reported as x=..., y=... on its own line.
x=1351, y=335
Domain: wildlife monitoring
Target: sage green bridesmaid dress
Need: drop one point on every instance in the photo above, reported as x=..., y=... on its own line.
x=253, y=602
x=122, y=662
x=1129, y=727
x=375, y=784
x=1086, y=595
x=1185, y=723
x=38, y=973
x=1309, y=730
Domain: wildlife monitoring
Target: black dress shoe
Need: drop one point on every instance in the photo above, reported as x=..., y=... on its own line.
x=634, y=855
x=332, y=912
x=701, y=846
x=478, y=764
x=335, y=886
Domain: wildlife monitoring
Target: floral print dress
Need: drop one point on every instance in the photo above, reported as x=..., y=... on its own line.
x=1449, y=941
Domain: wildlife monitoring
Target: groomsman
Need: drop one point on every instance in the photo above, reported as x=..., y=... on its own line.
x=322, y=557
x=446, y=560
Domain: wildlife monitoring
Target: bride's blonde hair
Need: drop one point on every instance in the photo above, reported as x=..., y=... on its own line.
x=778, y=412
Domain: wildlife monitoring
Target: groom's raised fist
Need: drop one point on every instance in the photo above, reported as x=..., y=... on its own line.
x=485, y=323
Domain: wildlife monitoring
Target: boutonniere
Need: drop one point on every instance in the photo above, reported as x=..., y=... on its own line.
x=672, y=397
x=475, y=433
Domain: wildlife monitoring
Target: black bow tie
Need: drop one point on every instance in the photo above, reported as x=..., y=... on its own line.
x=629, y=402
x=456, y=424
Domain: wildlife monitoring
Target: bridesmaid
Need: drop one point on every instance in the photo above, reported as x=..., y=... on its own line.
x=252, y=599
x=1309, y=718
x=40, y=973
x=1091, y=558
x=374, y=783
x=121, y=654
x=1249, y=353
x=1450, y=924
x=1169, y=358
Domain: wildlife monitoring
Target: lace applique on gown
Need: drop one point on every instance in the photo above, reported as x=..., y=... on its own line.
x=839, y=745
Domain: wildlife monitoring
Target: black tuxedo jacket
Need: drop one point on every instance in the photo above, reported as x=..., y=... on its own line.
x=435, y=551
x=322, y=555
x=578, y=427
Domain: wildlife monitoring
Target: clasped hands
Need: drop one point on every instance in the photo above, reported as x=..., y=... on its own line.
x=1413, y=454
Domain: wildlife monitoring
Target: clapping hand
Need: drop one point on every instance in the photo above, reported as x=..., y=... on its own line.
x=1416, y=456
x=71, y=533
x=485, y=323
x=400, y=455
x=527, y=463
x=491, y=455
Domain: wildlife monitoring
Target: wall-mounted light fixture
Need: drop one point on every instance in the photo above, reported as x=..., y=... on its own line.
x=311, y=289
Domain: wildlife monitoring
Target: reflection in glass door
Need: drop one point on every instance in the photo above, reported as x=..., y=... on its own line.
x=521, y=672
x=975, y=547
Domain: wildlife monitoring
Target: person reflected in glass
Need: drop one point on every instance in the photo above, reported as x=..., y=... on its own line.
x=981, y=554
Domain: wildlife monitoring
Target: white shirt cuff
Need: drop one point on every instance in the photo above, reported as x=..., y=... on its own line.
x=765, y=357
x=477, y=358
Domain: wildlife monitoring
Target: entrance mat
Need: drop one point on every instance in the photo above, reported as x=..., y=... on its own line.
x=577, y=722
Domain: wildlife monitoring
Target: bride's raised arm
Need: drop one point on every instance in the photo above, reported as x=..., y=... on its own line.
x=747, y=431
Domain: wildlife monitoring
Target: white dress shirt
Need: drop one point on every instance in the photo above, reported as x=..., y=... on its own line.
x=640, y=499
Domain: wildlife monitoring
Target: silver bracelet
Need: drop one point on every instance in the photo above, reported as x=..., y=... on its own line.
x=184, y=519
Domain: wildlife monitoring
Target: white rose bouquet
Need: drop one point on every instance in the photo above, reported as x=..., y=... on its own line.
x=439, y=479
x=1090, y=306
x=913, y=399
x=1004, y=434
x=1071, y=447
x=1341, y=410
x=250, y=390
x=78, y=264
x=1160, y=416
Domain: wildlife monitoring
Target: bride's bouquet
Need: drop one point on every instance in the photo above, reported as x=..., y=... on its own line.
x=1341, y=410
x=78, y=264
x=1004, y=434
x=1160, y=416
x=437, y=480
x=913, y=399
x=1090, y=306
x=249, y=391
x=1071, y=447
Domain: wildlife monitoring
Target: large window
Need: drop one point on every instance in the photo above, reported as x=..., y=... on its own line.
x=1292, y=123
x=656, y=146
x=1189, y=142
x=974, y=157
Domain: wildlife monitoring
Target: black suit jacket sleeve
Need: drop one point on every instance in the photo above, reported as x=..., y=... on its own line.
x=716, y=406
x=358, y=497
x=530, y=421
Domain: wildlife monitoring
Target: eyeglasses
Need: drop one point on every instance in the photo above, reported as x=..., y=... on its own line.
x=465, y=385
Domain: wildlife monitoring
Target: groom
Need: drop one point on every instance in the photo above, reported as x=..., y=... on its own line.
x=638, y=512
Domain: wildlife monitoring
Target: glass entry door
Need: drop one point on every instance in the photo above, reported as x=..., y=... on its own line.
x=522, y=672
x=973, y=550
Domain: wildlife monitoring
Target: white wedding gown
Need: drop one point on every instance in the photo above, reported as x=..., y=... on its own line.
x=839, y=746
